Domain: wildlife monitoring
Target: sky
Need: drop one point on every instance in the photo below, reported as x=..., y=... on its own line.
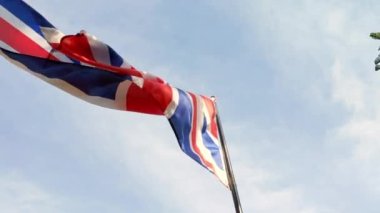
x=296, y=88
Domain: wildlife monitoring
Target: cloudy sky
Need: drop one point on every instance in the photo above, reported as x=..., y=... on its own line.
x=297, y=91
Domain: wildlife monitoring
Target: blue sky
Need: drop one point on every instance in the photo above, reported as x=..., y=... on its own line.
x=296, y=87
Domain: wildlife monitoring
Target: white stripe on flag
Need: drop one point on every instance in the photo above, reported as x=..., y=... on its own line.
x=126, y=65
x=52, y=35
x=208, y=120
x=170, y=110
x=7, y=47
x=99, y=50
x=24, y=28
x=121, y=94
x=204, y=152
x=194, y=128
x=221, y=174
x=60, y=56
x=138, y=81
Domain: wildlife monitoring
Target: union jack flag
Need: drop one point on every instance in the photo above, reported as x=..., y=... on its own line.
x=92, y=71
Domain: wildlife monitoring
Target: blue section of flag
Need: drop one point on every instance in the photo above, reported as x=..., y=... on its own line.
x=26, y=14
x=181, y=124
x=92, y=81
x=210, y=145
x=116, y=59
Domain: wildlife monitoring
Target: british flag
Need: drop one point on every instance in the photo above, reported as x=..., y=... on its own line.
x=91, y=70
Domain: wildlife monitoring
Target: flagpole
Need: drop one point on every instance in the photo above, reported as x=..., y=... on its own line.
x=230, y=173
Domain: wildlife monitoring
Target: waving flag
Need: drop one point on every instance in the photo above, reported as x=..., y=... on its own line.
x=91, y=70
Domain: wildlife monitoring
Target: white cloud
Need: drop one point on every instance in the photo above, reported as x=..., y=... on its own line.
x=18, y=194
x=260, y=196
x=347, y=88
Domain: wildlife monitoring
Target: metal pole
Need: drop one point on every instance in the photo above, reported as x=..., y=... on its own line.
x=230, y=174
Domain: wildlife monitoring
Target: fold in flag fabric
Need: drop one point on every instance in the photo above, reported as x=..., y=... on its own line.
x=92, y=71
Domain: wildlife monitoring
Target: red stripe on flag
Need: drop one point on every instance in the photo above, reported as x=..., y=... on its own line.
x=153, y=98
x=19, y=41
x=194, y=135
x=78, y=45
x=78, y=48
x=141, y=101
x=210, y=105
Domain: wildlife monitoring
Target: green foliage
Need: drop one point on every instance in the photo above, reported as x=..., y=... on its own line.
x=375, y=35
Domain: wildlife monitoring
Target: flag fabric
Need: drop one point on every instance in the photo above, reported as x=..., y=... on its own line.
x=92, y=71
